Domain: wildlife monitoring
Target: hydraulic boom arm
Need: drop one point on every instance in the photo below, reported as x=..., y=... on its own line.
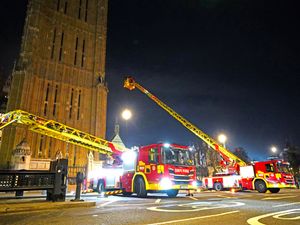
x=59, y=131
x=131, y=84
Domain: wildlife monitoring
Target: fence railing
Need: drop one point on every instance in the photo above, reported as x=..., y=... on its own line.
x=54, y=180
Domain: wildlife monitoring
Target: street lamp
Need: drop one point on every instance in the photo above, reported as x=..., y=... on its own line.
x=222, y=139
x=273, y=149
x=126, y=114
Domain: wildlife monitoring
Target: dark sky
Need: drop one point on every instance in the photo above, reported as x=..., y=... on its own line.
x=226, y=66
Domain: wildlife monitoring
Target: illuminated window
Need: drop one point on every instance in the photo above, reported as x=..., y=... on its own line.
x=269, y=168
x=153, y=155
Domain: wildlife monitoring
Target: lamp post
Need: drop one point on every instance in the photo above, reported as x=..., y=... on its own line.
x=222, y=139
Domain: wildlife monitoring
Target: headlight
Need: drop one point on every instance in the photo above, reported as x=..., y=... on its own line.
x=165, y=183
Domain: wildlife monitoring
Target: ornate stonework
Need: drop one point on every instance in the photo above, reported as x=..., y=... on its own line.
x=22, y=149
x=60, y=75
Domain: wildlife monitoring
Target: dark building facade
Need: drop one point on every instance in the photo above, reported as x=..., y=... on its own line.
x=60, y=75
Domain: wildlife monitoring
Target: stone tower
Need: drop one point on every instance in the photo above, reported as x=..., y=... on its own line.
x=60, y=75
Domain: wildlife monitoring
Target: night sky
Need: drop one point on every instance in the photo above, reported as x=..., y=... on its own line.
x=226, y=66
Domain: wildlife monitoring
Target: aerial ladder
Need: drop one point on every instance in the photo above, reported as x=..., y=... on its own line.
x=227, y=156
x=60, y=131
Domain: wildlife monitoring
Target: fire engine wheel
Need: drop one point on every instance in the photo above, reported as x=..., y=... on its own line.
x=172, y=193
x=260, y=186
x=218, y=186
x=140, y=187
x=100, y=187
x=274, y=190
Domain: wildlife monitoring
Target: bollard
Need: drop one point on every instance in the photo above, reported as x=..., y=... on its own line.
x=79, y=180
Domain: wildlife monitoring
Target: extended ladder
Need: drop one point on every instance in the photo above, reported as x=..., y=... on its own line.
x=59, y=131
x=131, y=84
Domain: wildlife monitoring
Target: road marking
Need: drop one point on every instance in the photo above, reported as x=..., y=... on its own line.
x=191, y=197
x=195, y=206
x=107, y=203
x=276, y=215
x=194, y=218
x=280, y=197
x=294, y=203
x=157, y=201
x=287, y=218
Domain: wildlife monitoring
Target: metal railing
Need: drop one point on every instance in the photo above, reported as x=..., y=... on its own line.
x=54, y=180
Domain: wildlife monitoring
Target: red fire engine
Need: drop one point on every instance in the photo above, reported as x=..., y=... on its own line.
x=165, y=168
x=269, y=175
x=261, y=176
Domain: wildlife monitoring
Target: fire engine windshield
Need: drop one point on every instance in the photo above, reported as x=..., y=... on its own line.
x=283, y=167
x=177, y=156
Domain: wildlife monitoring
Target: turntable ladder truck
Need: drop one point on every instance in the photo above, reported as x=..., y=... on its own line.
x=269, y=175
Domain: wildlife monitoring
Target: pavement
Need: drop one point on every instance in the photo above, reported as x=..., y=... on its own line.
x=35, y=201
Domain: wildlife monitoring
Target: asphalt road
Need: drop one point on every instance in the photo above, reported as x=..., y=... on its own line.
x=217, y=208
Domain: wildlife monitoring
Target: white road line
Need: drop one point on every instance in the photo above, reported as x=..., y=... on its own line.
x=255, y=220
x=280, y=197
x=157, y=201
x=191, y=197
x=107, y=203
x=293, y=203
x=194, y=218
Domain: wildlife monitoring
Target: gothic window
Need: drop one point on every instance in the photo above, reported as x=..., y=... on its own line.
x=58, y=5
x=76, y=48
x=55, y=100
x=71, y=103
x=79, y=9
x=46, y=100
x=86, y=10
x=61, y=47
x=83, y=54
x=53, y=43
x=66, y=7
x=78, y=110
x=49, y=148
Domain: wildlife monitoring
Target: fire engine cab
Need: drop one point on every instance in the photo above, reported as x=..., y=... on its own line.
x=165, y=168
